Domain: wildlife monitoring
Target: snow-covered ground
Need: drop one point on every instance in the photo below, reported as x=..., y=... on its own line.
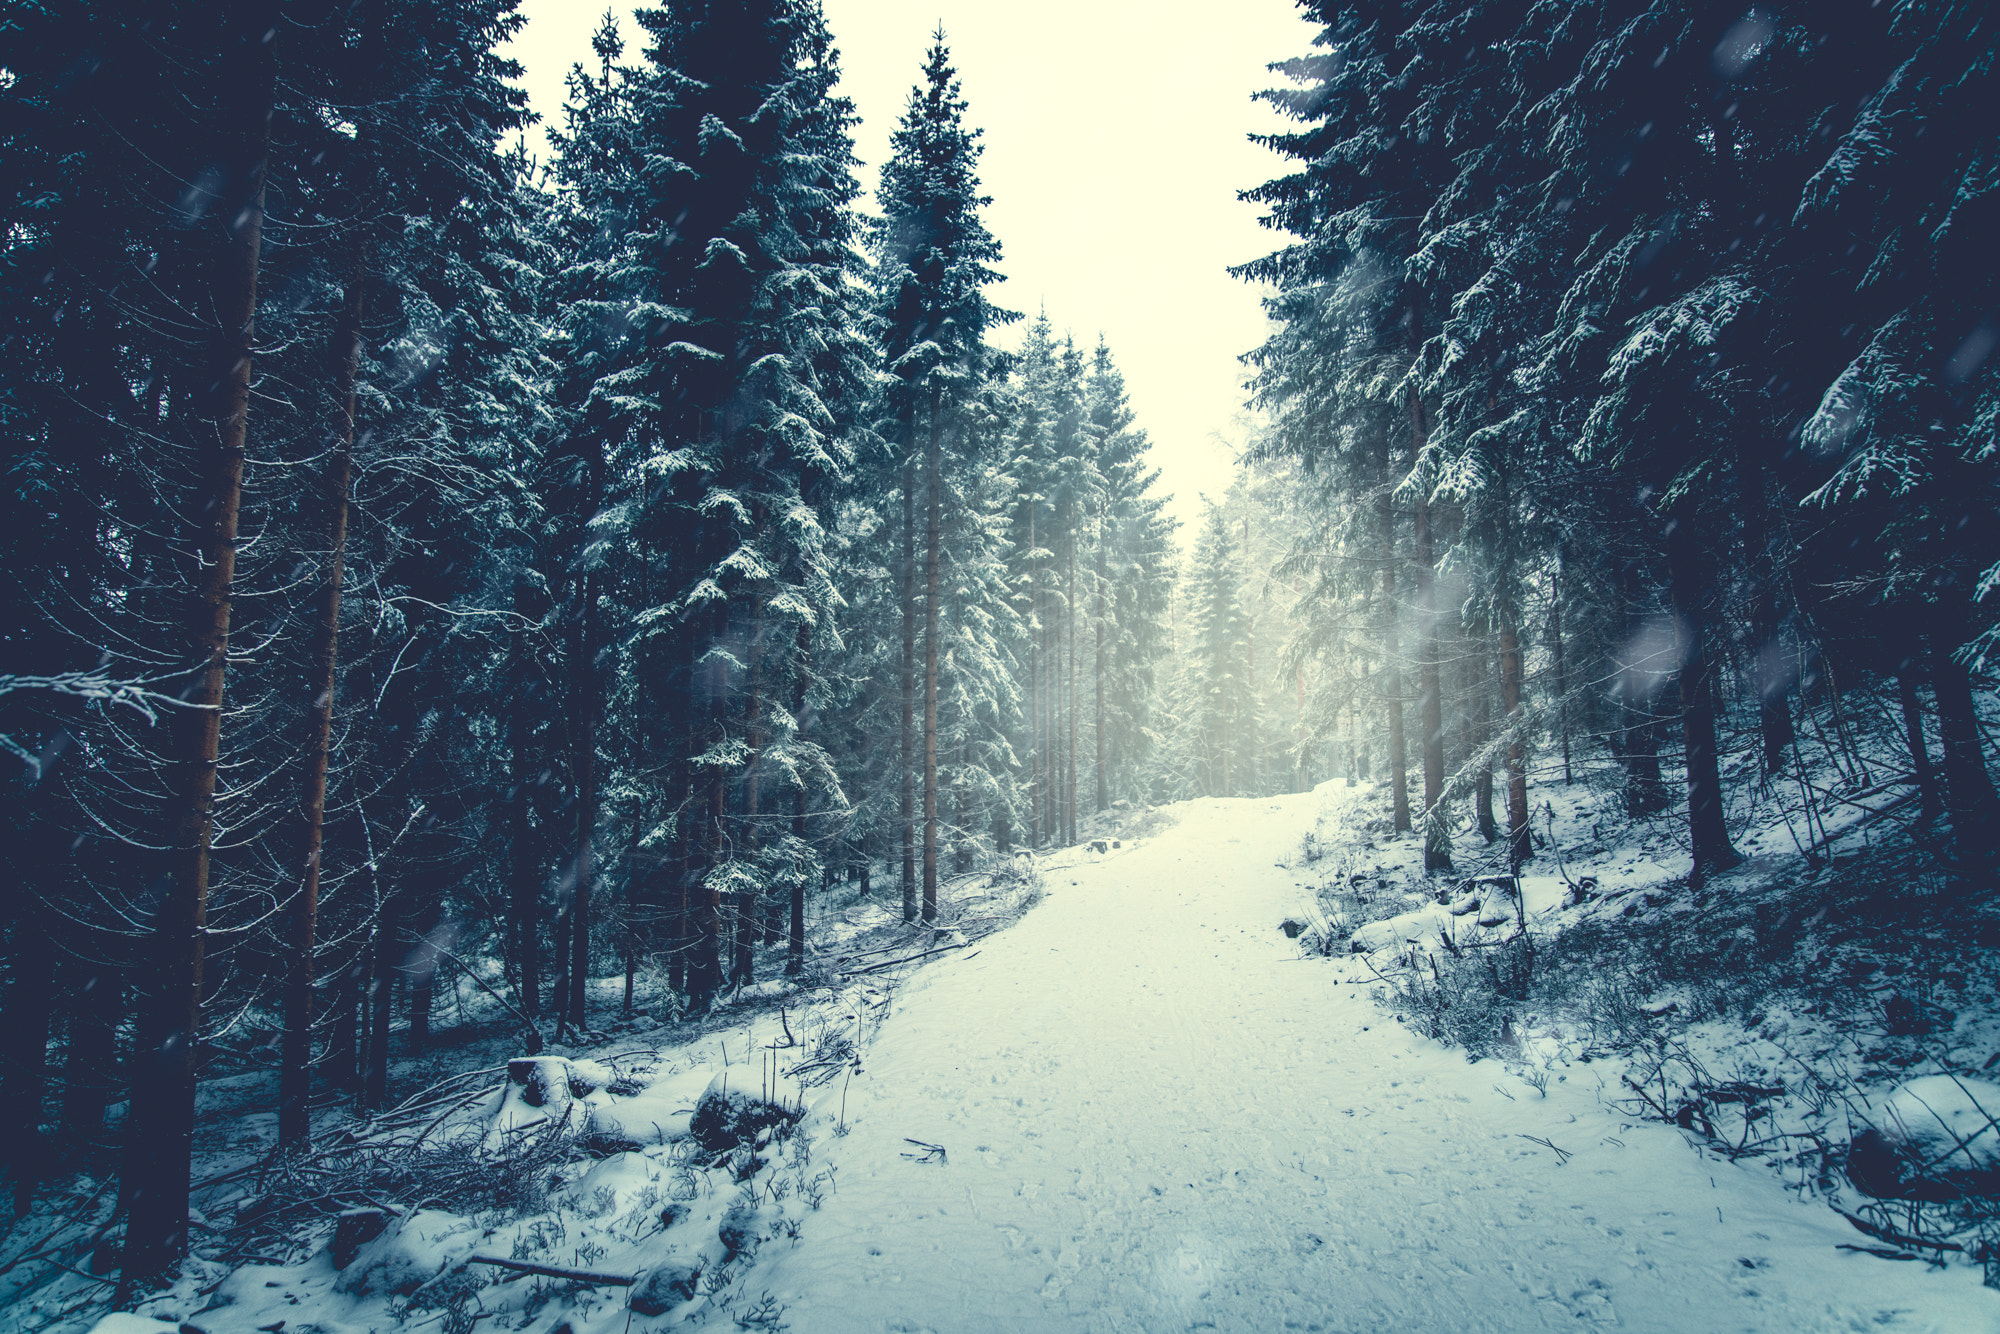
x=1158, y=1117
x=1140, y=1109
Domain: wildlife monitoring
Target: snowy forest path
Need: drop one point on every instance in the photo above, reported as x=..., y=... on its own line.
x=1157, y=1117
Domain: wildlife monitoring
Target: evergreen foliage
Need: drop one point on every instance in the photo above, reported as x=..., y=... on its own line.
x=427, y=560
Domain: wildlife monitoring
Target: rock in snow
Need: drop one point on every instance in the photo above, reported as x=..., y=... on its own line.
x=1934, y=1138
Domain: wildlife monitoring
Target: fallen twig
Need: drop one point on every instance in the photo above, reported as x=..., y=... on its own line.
x=598, y=1276
x=891, y=963
x=1894, y=1237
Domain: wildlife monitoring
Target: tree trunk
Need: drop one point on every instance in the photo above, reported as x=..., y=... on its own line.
x=1035, y=756
x=1638, y=744
x=583, y=763
x=343, y=1047
x=1931, y=799
x=1437, y=848
x=1520, y=842
x=295, y=1064
x=1103, y=785
x=1562, y=671
x=24, y=1053
x=933, y=465
x=1768, y=658
x=89, y=1066
x=1710, y=834
x=160, y=1136
x=423, y=994
x=630, y=934
x=906, y=787
x=524, y=869
x=1392, y=670
x=795, y=936
x=680, y=912
x=749, y=913
x=704, y=957
x=381, y=1012
x=1969, y=799
x=559, y=988
x=1482, y=734
x=1069, y=623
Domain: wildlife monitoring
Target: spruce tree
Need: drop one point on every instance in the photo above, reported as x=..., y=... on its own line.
x=933, y=258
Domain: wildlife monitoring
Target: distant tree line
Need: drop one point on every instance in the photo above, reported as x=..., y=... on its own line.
x=1649, y=341
x=423, y=559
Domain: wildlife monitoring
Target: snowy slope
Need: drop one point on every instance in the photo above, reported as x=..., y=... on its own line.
x=1157, y=1117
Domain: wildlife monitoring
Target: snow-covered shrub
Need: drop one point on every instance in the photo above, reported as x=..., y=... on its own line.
x=729, y=1114
x=1465, y=999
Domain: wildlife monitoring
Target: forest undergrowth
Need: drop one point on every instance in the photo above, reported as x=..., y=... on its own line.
x=1768, y=1013
x=454, y=1169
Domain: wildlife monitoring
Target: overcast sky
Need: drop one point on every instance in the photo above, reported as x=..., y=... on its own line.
x=1115, y=144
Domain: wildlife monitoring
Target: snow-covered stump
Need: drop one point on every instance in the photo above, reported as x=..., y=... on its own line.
x=538, y=1098
x=1935, y=1138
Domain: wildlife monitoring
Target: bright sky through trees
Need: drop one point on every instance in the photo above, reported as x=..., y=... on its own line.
x=1115, y=144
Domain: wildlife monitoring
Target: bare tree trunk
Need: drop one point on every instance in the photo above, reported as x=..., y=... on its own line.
x=1931, y=799
x=1969, y=798
x=1103, y=785
x=1069, y=622
x=1437, y=852
x=748, y=909
x=343, y=1048
x=295, y=1078
x=1520, y=841
x=704, y=955
x=1638, y=745
x=907, y=783
x=583, y=762
x=1035, y=757
x=1562, y=671
x=559, y=988
x=680, y=926
x=1392, y=671
x=95, y=1009
x=1482, y=733
x=24, y=1054
x=795, y=938
x=381, y=1009
x=160, y=1135
x=1712, y=849
x=524, y=872
x=1768, y=658
x=934, y=464
x=631, y=932
x=795, y=935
